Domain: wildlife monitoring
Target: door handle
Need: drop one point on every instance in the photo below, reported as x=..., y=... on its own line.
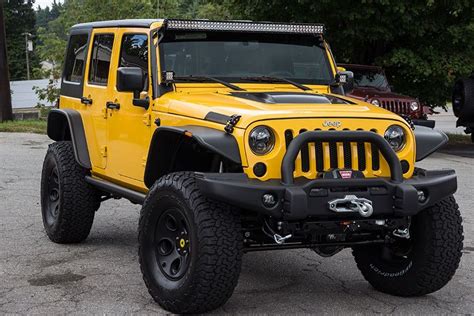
x=112, y=105
x=86, y=101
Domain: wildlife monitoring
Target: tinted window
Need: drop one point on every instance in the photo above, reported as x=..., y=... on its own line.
x=134, y=51
x=369, y=78
x=236, y=56
x=100, y=59
x=75, y=58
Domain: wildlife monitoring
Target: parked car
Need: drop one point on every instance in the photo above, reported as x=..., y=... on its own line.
x=463, y=104
x=235, y=137
x=371, y=85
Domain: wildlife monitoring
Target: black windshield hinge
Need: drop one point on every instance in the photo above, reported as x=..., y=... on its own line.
x=231, y=122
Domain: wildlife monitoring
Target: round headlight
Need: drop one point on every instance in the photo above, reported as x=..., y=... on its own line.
x=375, y=102
x=261, y=140
x=414, y=106
x=395, y=136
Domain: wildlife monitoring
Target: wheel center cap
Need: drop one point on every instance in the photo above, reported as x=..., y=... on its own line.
x=182, y=245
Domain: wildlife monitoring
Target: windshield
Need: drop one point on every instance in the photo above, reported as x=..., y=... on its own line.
x=236, y=56
x=369, y=78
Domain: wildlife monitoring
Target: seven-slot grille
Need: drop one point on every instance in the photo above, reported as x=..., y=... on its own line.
x=329, y=155
x=396, y=106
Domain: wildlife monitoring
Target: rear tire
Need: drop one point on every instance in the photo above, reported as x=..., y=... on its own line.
x=434, y=255
x=68, y=202
x=190, y=247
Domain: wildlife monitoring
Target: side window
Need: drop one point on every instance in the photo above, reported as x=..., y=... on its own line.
x=134, y=52
x=100, y=59
x=75, y=58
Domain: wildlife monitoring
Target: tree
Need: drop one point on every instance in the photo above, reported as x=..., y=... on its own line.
x=19, y=19
x=5, y=97
x=424, y=45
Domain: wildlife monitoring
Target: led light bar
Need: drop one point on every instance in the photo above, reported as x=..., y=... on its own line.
x=244, y=26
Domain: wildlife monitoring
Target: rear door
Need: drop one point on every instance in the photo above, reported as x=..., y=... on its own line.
x=97, y=90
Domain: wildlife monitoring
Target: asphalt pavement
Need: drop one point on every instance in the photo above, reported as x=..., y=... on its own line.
x=102, y=274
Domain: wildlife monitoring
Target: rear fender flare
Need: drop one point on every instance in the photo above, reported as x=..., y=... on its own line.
x=66, y=124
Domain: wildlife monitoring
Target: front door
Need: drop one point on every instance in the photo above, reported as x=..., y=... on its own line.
x=97, y=90
x=128, y=126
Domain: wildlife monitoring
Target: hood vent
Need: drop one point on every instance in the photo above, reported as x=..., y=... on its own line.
x=290, y=98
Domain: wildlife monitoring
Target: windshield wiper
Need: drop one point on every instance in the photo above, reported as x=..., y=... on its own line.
x=206, y=78
x=276, y=79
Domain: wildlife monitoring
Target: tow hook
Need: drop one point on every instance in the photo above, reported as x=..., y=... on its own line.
x=402, y=233
x=279, y=239
x=352, y=203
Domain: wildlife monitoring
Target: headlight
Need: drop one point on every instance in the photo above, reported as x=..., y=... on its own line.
x=414, y=106
x=261, y=140
x=375, y=102
x=395, y=136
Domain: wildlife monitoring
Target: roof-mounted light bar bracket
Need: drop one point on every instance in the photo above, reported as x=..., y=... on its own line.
x=244, y=26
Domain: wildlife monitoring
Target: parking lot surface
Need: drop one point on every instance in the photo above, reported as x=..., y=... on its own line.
x=102, y=274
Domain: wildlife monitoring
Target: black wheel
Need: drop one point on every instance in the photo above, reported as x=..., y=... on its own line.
x=190, y=247
x=463, y=99
x=421, y=264
x=68, y=203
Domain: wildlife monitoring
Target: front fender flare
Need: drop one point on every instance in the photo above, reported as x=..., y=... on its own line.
x=166, y=140
x=428, y=141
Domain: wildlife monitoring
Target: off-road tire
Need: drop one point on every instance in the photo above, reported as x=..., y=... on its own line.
x=464, y=91
x=437, y=236
x=77, y=200
x=215, y=247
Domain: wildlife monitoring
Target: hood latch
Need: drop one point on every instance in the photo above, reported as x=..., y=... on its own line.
x=231, y=122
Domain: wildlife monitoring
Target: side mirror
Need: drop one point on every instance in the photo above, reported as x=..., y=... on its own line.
x=132, y=79
x=346, y=80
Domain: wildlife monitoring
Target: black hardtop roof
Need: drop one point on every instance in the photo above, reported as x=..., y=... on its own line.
x=117, y=23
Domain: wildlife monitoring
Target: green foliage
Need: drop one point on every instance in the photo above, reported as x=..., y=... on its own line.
x=424, y=45
x=26, y=126
x=19, y=18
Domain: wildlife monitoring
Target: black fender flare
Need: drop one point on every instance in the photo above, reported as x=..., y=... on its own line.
x=428, y=141
x=66, y=124
x=166, y=141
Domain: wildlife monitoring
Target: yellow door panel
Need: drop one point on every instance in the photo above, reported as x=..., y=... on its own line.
x=97, y=86
x=129, y=127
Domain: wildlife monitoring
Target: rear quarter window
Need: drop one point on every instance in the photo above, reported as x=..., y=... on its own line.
x=75, y=58
x=72, y=82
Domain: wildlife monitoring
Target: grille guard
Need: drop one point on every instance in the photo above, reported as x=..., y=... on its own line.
x=287, y=166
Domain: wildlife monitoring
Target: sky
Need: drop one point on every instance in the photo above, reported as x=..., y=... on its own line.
x=43, y=3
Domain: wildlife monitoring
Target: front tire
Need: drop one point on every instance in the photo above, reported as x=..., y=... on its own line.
x=190, y=247
x=426, y=263
x=68, y=202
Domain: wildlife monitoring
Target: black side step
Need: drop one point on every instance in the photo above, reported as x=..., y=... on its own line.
x=116, y=190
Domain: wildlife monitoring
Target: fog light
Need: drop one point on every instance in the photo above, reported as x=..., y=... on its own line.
x=421, y=196
x=269, y=200
x=260, y=169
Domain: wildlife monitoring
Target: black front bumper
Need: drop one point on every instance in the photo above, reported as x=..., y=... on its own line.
x=310, y=198
x=301, y=198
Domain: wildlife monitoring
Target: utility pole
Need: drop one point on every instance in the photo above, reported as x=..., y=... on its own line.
x=27, y=49
x=5, y=97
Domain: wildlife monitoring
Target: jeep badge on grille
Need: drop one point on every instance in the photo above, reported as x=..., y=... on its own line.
x=336, y=124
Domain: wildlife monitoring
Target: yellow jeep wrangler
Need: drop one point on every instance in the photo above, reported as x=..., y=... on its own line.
x=237, y=137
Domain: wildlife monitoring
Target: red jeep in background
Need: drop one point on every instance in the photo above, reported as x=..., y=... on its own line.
x=371, y=85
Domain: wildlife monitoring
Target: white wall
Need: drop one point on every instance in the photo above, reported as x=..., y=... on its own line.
x=23, y=95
